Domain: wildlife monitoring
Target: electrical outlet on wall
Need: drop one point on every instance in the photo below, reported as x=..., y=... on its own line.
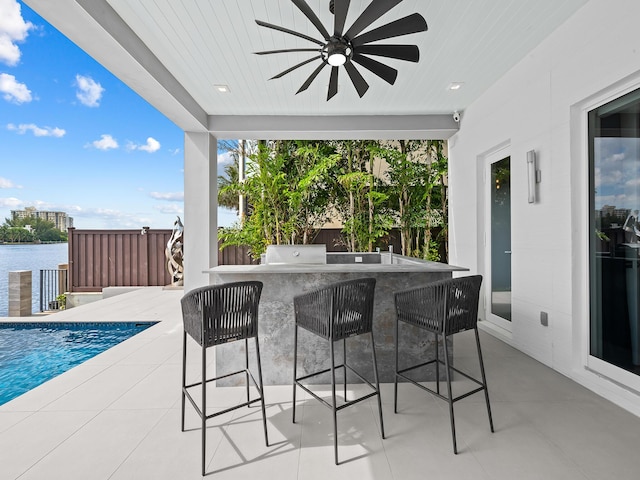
x=544, y=319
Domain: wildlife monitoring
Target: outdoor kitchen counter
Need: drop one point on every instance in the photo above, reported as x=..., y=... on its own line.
x=276, y=322
x=351, y=268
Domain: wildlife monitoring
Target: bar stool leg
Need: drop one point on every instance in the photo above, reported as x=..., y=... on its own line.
x=375, y=376
x=264, y=411
x=333, y=394
x=184, y=372
x=484, y=379
x=204, y=405
x=295, y=368
x=438, y=364
x=395, y=376
x=450, y=397
x=246, y=365
x=344, y=361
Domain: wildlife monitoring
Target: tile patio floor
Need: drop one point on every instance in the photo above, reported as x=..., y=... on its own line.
x=117, y=417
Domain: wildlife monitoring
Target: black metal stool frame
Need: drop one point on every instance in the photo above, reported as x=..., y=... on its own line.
x=311, y=311
x=444, y=308
x=231, y=315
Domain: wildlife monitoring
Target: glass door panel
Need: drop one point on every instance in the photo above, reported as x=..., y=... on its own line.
x=500, y=238
x=614, y=232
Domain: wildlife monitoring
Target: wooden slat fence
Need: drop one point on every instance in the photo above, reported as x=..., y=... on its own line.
x=236, y=255
x=117, y=258
x=127, y=258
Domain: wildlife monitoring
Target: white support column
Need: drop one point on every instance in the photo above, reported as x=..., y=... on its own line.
x=200, y=207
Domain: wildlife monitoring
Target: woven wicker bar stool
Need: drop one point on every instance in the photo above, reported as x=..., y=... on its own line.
x=215, y=315
x=444, y=308
x=337, y=312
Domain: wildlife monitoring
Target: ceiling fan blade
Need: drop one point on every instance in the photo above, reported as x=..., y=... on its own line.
x=385, y=72
x=340, y=9
x=311, y=78
x=358, y=80
x=333, y=83
x=374, y=11
x=411, y=24
x=269, y=52
x=313, y=18
x=289, y=70
x=409, y=53
x=290, y=32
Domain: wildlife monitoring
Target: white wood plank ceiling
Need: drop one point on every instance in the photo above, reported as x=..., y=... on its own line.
x=211, y=42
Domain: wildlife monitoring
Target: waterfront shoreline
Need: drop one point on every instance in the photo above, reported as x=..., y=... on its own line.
x=33, y=257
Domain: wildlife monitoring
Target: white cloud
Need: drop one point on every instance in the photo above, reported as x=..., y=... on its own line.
x=225, y=158
x=13, y=90
x=172, y=208
x=106, y=218
x=89, y=91
x=10, y=202
x=37, y=131
x=6, y=183
x=151, y=146
x=106, y=142
x=169, y=196
x=13, y=29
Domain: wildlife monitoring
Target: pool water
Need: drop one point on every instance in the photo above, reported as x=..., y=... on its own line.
x=32, y=353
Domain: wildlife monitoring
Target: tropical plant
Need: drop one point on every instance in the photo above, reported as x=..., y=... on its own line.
x=292, y=188
x=286, y=193
x=62, y=301
x=416, y=184
x=359, y=199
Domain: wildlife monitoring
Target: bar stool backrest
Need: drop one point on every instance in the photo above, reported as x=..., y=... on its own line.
x=222, y=313
x=338, y=311
x=446, y=306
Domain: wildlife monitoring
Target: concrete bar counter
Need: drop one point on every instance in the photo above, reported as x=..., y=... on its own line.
x=285, y=279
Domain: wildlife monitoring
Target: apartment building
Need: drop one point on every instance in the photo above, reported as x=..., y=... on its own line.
x=60, y=219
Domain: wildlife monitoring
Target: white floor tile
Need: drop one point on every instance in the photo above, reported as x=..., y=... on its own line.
x=98, y=448
x=118, y=417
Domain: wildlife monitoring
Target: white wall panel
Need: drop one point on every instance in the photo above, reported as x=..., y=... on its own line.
x=531, y=106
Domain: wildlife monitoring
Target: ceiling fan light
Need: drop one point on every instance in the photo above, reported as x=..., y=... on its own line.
x=337, y=52
x=337, y=59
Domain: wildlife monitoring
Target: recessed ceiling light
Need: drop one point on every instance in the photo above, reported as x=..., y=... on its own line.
x=455, y=85
x=222, y=88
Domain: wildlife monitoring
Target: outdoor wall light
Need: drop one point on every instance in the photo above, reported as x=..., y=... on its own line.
x=533, y=175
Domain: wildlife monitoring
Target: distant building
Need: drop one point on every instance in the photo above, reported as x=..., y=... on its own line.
x=59, y=219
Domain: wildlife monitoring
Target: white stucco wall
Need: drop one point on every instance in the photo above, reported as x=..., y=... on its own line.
x=540, y=105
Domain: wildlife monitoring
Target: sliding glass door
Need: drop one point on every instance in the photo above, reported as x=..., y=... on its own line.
x=614, y=233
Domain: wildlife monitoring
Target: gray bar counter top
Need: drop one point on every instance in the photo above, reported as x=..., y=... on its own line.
x=360, y=268
x=283, y=281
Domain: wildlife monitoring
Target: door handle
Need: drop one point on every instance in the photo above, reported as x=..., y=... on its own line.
x=507, y=252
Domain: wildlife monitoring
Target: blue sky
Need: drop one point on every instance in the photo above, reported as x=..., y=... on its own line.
x=74, y=138
x=617, y=172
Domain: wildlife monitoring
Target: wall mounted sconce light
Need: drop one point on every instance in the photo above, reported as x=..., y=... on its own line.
x=533, y=175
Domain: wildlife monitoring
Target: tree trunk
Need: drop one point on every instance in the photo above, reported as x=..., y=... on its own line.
x=445, y=218
x=403, y=228
x=427, y=229
x=371, y=206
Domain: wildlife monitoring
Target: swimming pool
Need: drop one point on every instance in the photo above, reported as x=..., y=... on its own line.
x=33, y=352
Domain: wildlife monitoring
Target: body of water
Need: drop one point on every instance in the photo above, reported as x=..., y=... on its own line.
x=28, y=257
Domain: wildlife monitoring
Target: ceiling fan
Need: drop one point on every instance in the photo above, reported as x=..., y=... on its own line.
x=344, y=48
